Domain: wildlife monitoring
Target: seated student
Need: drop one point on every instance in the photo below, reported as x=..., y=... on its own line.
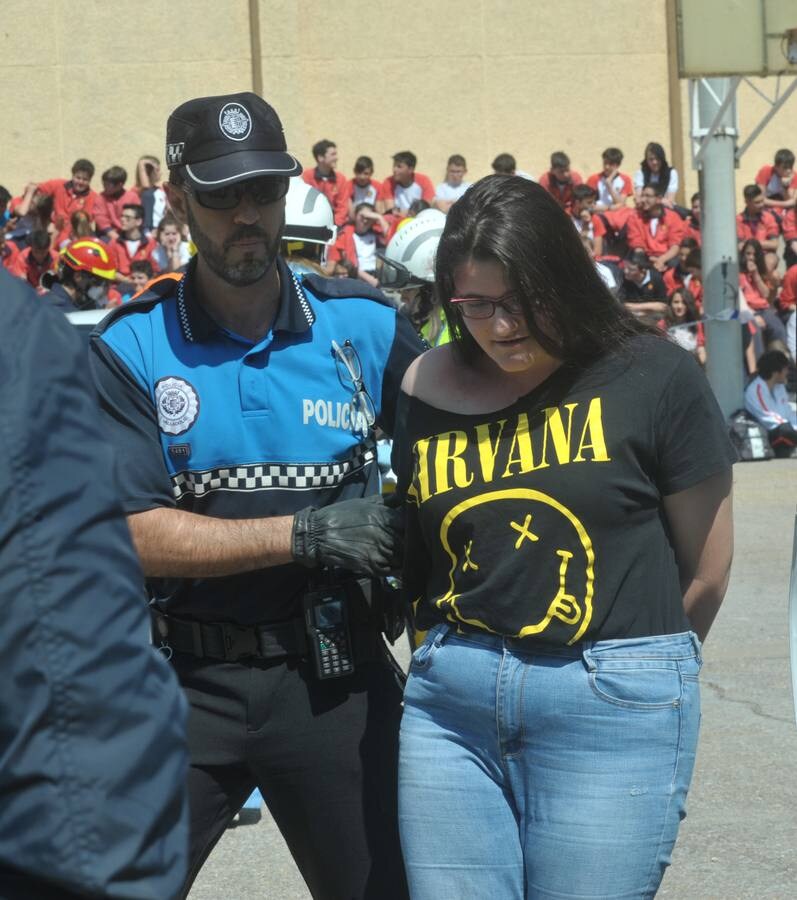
x=787, y=304
x=70, y=195
x=404, y=186
x=37, y=259
x=682, y=323
x=585, y=221
x=611, y=274
x=675, y=274
x=363, y=187
x=692, y=221
x=131, y=244
x=110, y=201
x=643, y=287
x=654, y=228
x=9, y=255
x=80, y=226
x=756, y=223
x=354, y=251
x=141, y=273
x=450, y=190
x=505, y=164
x=757, y=285
x=767, y=402
x=788, y=224
x=693, y=266
x=150, y=193
x=611, y=185
x=31, y=211
x=560, y=180
x=654, y=169
x=324, y=177
x=779, y=182
x=171, y=252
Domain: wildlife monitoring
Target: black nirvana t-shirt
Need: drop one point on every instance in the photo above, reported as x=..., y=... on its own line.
x=544, y=520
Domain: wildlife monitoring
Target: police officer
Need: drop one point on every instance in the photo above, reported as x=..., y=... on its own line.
x=92, y=722
x=242, y=400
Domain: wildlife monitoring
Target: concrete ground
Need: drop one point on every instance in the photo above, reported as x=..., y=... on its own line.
x=739, y=841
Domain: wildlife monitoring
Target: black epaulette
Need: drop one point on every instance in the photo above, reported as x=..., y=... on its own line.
x=156, y=290
x=337, y=288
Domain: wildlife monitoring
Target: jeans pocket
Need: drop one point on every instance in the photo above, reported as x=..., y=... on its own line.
x=634, y=684
x=422, y=656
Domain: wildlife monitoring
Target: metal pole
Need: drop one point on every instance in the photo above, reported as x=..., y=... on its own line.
x=720, y=255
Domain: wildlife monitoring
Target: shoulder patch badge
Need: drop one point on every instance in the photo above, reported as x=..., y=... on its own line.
x=235, y=122
x=177, y=403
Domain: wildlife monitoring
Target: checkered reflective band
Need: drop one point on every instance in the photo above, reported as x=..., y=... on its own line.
x=270, y=477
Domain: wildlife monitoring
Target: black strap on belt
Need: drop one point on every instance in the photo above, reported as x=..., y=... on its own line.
x=231, y=643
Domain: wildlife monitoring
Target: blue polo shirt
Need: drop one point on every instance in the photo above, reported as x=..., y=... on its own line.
x=208, y=421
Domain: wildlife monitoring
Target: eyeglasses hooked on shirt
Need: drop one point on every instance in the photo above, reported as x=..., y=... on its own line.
x=484, y=307
x=350, y=372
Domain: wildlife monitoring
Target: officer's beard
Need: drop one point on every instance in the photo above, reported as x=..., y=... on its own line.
x=247, y=270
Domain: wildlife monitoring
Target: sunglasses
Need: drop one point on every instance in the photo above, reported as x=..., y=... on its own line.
x=262, y=191
x=484, y=307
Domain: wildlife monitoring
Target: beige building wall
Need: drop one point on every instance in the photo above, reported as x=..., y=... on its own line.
x=456, y=76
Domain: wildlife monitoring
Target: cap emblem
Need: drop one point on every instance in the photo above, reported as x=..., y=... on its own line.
x=235, y=122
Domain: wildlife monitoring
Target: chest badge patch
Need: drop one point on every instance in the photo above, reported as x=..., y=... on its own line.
x=235, y=122
x=177, y=403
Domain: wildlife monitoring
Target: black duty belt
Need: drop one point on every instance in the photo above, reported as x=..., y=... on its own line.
x=229, y=642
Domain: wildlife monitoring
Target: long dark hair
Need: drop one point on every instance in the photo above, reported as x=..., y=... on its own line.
x=760, y=262
x=692, y=315
x=519, y=225
x=654, y=149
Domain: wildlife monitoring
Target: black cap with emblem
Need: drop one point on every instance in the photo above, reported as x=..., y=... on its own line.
x=221, y=140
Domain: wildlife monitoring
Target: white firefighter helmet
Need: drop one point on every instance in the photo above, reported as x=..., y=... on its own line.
x=413, y=248
x=308, y=215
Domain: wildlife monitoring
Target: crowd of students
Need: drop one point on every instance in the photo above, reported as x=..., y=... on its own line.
x=646, y=246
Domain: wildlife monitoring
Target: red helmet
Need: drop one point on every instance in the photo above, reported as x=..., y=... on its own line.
x=88, y=255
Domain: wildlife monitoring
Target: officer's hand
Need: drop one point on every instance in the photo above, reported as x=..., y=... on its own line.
x=364, y=536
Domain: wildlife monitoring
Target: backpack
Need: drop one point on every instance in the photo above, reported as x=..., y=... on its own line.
x=748, y=437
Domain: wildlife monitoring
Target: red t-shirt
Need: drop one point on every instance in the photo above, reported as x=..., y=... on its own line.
x=669, y=231
x=751, y=293
x=65, y=202
x=596, y=182
x=32, y=270
x=770, y=181
x=10, y=258
x=334, y=189
x=789, y=224
x=760, y=228
x=788, y=289
x=673, y=279
x=122, y=258
x=692, y=230
x=400, y=197
x=562, y=193
x=107, y=210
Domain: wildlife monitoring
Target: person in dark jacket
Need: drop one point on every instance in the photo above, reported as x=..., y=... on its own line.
x=92, y=722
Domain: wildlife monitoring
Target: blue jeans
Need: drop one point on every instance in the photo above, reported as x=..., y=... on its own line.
x=556, y=773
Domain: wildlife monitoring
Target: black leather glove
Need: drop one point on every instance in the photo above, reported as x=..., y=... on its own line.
x=363, y=536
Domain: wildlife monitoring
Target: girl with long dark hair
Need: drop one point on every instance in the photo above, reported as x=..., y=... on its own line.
x=567, y=480
x=758, y=286
x=654, y=169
